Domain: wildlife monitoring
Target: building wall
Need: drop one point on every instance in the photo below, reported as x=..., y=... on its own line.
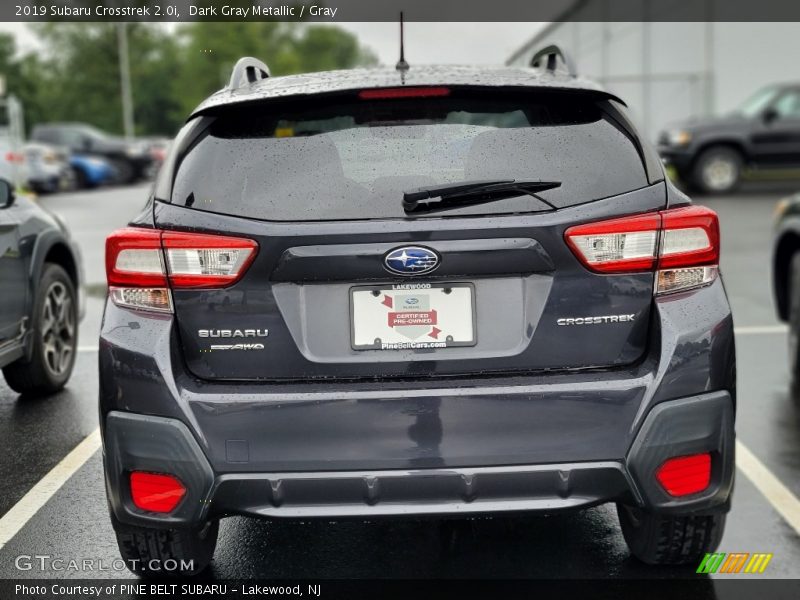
x=668, y=71
x=750, y=55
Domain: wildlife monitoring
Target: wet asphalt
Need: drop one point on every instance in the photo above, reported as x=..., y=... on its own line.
x=36, y=434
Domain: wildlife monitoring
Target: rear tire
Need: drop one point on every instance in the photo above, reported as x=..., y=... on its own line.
x=670, y=539
x=55, y=337
x=793, y=285
x=150, y=552
x=718, y=170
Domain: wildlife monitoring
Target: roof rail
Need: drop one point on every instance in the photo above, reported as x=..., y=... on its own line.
x=247, y=70
x=551, y=54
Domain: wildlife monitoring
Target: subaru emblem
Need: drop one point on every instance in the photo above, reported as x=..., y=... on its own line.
x=411, y=260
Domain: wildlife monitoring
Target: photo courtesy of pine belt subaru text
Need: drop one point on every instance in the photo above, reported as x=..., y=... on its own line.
x=424, y=292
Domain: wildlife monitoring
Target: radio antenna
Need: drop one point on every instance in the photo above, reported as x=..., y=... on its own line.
x=402, y=65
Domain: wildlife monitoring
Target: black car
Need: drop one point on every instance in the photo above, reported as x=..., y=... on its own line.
x=40, y=305
x=132, y=160
x=440, y=291
x=710, y=154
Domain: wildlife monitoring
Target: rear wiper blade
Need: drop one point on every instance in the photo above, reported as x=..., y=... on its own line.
x=469, y=193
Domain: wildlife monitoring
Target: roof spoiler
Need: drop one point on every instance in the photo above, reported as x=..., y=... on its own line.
x=246, y=71
x=547, y=58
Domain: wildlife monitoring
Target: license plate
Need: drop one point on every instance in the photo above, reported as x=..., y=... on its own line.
x=412, y=316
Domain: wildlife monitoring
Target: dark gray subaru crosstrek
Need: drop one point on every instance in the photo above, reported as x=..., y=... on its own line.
x=435, y=291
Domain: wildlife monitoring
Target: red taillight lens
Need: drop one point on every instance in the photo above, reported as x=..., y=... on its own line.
x=691, y=237
x=409, y=92
x=682, y=244
x=133, y=258
x=141, y=264
x=155, y=492
x=685, y=475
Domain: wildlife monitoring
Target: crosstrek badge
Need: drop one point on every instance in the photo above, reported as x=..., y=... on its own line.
x=601, y=320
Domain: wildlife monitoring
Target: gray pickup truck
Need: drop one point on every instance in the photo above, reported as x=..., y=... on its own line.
x=711, y=153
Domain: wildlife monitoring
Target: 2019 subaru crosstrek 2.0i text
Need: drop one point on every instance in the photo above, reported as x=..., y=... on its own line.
x=443, y=291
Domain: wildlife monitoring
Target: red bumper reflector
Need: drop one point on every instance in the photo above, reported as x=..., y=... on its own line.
x=685, y=475
x=156, y=493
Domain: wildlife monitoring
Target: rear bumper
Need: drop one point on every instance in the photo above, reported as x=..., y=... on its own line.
x=544, y=441
x=686, y=426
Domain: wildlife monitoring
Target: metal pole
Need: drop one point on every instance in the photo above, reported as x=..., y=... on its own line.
x=16, y=134
x=125, y=80
x=709, y=91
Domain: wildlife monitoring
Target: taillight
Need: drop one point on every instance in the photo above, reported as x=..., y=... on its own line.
x=681, y=244
x=15, y=157
x=155, y=492
x=206, y=261
x=617, y=245
x=685, y=475
x=143, y=264
x=689, y=249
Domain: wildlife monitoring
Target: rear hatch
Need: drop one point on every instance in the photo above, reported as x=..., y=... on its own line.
x=349, y=282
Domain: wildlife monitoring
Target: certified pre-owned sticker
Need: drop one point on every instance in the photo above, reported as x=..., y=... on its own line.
x=601, y=320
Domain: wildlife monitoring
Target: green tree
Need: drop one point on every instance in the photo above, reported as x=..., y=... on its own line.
x=19, y=75
x=324, y=48
x=80, y=78
x=76, y=75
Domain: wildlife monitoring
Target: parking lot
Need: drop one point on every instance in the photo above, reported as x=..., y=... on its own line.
x=71, y=523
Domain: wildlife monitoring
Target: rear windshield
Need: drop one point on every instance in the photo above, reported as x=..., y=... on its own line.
x=352, y=158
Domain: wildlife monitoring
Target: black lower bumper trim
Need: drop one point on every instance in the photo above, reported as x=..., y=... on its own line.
x=542, y=488
x=681, y=428
x=158, y=445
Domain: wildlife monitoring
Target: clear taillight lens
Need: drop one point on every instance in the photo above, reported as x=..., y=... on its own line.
x=681, y=244
x=617, y=245
x=203, y=261
x=157, y=299
x=143, y=265
x=675, y=280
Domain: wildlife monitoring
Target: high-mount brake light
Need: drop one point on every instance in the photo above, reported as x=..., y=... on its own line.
x=409, y=92
x=143, y=264
x=681, y=244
